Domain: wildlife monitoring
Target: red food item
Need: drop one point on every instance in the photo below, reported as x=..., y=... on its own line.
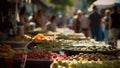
x=43, y=55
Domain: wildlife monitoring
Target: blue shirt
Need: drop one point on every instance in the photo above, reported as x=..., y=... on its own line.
x=106, y=19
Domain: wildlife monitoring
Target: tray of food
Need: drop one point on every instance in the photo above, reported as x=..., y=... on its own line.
x=91, y=49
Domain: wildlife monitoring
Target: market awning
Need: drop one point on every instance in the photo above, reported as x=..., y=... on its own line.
x=104, y=2
x=101, y=4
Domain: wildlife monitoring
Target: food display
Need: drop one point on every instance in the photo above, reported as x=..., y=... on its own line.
x=46, y=45
x=50, y=33
x=94, y=60
x=74, y=36
x=77, y=51
x=42, y=55
x=39, y=37
x=90, y=48
x=85, y=64
x=52, y=44
x=93, y=56
x=6, y=51
x=27, y=37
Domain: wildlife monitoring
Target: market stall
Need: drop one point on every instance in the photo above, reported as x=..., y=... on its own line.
x=57, y=50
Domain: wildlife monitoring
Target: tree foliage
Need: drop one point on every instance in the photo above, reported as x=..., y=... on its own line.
x=61, y=5
x=63, y=2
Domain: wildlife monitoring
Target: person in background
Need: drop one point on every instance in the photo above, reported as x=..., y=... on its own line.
x=115, y=24
x=70, y=25
x=41, y=20
x=32, y=18
x=106, y=23
x=60, y=21
x=67, y=20
x=23, y=18
x=95, y=25
x=77, y=22
x=84, y=25
x=51, y=26
x=74, y=22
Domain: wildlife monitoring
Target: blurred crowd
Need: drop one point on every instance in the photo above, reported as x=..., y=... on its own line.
x=99, y=26
x=94, y=24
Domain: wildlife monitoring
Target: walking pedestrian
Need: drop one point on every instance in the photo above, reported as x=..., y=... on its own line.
x=95, y=25
x=106, y=20
x=115, y=24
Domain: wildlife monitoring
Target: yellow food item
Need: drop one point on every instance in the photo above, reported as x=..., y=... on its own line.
x=19, y=52
x=27, y=37
x=49, y=32
x=4, y=54
x=6, y=51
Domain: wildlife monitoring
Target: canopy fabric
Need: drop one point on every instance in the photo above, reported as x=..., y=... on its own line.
x=104, y=2
x=101, y=4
